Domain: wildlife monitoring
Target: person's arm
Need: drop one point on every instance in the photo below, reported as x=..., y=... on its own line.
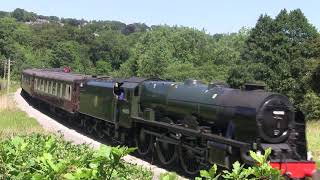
x=121, y=96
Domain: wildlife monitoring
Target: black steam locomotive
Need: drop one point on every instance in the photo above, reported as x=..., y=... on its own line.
x=187, y=122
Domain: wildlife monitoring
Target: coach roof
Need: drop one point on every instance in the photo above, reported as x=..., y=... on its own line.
x=57, y=75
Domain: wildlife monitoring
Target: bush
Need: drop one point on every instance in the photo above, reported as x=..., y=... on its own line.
x=262, y=170
x=311, y=105
x=50, y=157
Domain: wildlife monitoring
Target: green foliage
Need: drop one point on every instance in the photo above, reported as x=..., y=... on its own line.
x=103, y=68
x=168, y=176
x=49, y=157
x=22, y=15
x=178, y=53
x=112, y=46
x=262, y=170
x=278, y=47
x=238, y=172
x=311, y=105
x=180, y=71
x=281, y=52
x=211, y=174
x=67, y=54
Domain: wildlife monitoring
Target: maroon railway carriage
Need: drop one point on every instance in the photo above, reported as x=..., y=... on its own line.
x=57, y=88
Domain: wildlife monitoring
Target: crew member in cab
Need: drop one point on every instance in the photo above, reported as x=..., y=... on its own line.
x=118, y=91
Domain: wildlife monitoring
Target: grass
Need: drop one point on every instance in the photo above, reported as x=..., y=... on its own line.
x=313, y=137
x=12, y=120
x=15, y=122
x=14, y=85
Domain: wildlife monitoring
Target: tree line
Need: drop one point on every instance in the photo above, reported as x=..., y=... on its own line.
x=282, y=52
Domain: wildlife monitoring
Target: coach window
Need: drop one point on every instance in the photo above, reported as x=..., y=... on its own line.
x=51, y=87
x=66, y=96
x=35, y=83
x=63, y=90
x=66, y=92
x=39, y=85
x=57, y=89
x=69, y=92
x=48, y=85
x=61, y=87
x=42, y=85
x=45, y=82
x=53, y=84
x=54, y=88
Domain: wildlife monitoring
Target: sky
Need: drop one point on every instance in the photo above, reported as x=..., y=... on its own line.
x=224, y=16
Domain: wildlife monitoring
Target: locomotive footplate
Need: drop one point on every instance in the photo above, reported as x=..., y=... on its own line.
x=279, y=151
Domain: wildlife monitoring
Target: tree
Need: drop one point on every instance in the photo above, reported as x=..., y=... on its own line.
x=69, y=53
x=24, y=16
x=103, y=68
x=278, y=45
x=112, y=46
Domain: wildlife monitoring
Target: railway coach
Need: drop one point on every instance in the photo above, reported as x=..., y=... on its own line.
x=53, y=87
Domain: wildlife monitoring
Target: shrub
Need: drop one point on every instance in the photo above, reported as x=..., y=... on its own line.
x=311, y=105
x=168, y=176
x=262, y=170
x=39, y=156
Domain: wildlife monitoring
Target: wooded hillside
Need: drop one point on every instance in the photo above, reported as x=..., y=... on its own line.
x=281, y=52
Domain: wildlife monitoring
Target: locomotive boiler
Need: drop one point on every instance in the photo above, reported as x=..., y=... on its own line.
x=242, y=115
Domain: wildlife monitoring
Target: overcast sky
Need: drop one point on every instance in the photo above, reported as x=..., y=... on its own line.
x=221, y=16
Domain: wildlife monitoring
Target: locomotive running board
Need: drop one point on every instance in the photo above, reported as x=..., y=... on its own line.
x=191, y=132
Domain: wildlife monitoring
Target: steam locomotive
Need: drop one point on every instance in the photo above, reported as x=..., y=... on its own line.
x=190, y=123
